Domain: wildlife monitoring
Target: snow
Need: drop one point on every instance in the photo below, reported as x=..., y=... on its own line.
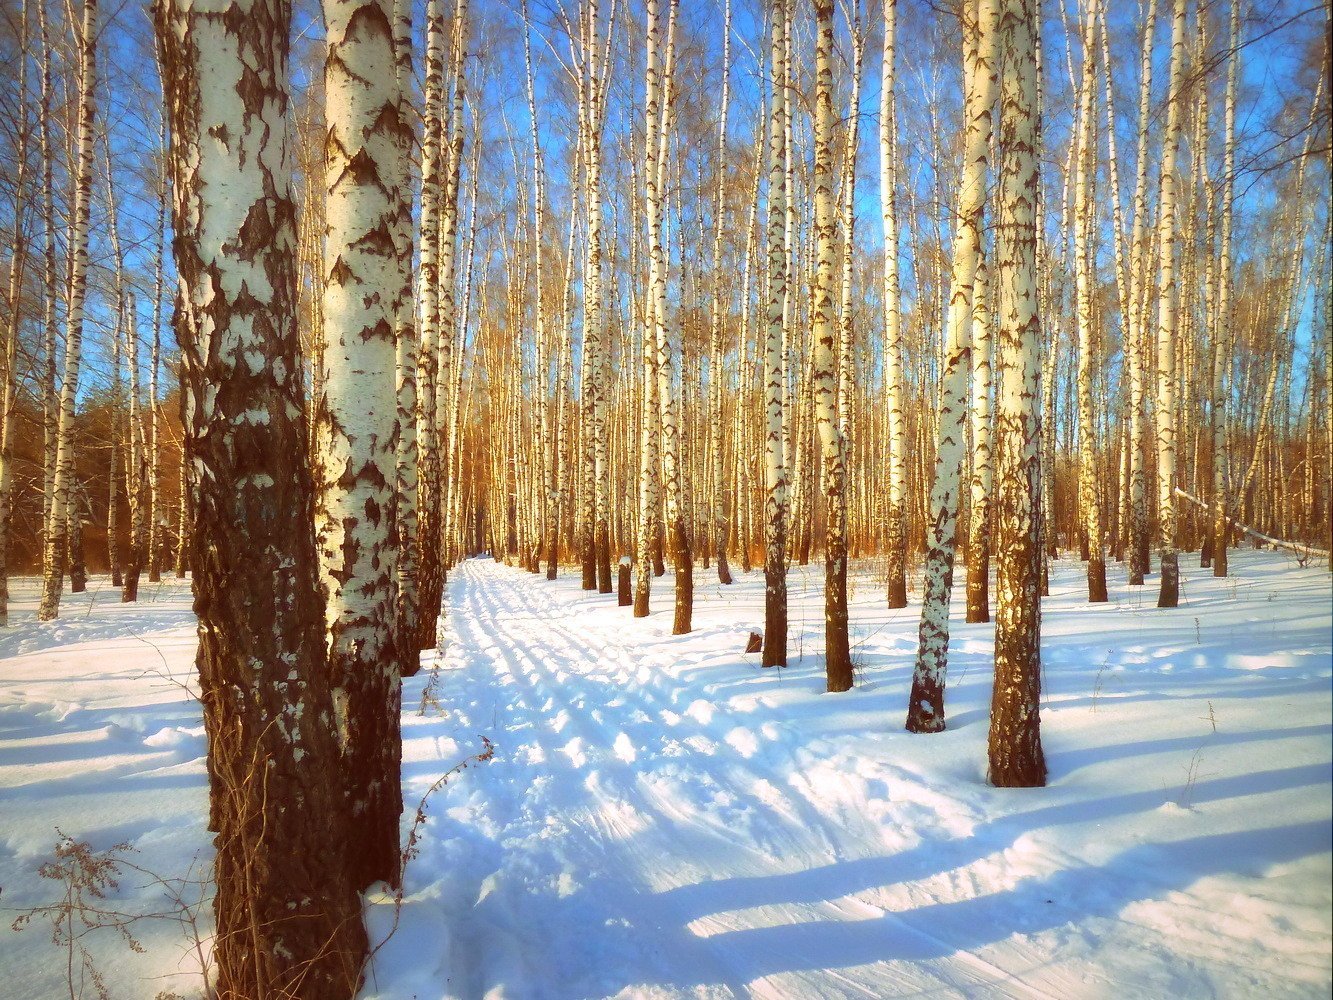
x=665, y=818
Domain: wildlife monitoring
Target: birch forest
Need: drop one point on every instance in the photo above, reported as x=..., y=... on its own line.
x=314, y=306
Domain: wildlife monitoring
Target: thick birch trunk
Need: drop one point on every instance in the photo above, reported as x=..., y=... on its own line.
x=288, y=918
x=356, y=415
x=1014, y=746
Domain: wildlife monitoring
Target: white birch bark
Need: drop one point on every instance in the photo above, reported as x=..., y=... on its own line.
x=896, y=540
x=1136, y=339
x=979, y=531
x=357, y=414
x=774, y=366
x=407, y=350
x=925, y=711
x=62, y=504
x=14, y=309
x=1167, y=321
x=824, y=380
x=1015, y=753
x=716, y=387
x=1084, y=276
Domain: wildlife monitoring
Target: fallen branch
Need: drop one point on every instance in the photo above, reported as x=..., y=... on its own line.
x=1298, y=547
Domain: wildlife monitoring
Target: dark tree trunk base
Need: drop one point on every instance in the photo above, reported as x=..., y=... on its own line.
x=1097, y=581
x=623, y=595
x=1169, y=594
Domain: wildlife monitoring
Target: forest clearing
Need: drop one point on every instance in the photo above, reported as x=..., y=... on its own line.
x=654, y=498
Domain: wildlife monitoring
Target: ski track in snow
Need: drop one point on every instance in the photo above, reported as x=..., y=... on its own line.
x=663, y=818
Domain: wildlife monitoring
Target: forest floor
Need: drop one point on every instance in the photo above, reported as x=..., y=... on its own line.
x=664, y=818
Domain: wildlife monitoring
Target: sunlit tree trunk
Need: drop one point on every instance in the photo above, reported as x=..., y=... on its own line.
x=1222, y=334
x=450, y=330
x=1167, y=321
x=63, y=503
x=925, y=710
x=1084, y=280
x=774, y=367
x=357, y=415
x=288, y=919
x=1014, y=746
x=430, y=570
x=157, y=513
x=979, y=533
x=716, y=390
x=136, y=463
x=657, y=106
x=407, y=350
x=895, y=390
x=14, y=309
x=824, y=376
x=1135, y=326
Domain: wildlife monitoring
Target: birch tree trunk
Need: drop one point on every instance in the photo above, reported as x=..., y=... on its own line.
x=1135, y=348
x=288, y=918
x=1084, y=277
x=356, y=417
x=50, y=402
x=157, y=514
x=837, y=652
x=657, y=106
x=407, y=349
x=1015, y=753
x=896, y=540
x=716, y=390
x=925, y=710
x=774, y=367
x=979, y=533
x=430, y=581
x=14, y=309
x=62, y=504
x=136, y=465
x=1167, y=320
x=1222, y=334
x=450, y=342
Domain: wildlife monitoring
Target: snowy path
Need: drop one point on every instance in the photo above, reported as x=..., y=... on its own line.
x=664, y=818
x=657, y=820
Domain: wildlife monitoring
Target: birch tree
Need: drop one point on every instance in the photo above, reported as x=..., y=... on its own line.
x=1014, y=746
x=774, y=366
x=1167, y=321
x=837, y=652
x=979, y=529
x=13, y=307
x=715, y=375
x=925, y=710
x=288, y=917
x=357, y=416
x=895, y=390
x=1222, y=347
x=64, y=501
x=1084, y=264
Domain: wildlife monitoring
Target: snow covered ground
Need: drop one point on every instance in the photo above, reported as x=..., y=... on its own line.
x=664, y=818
